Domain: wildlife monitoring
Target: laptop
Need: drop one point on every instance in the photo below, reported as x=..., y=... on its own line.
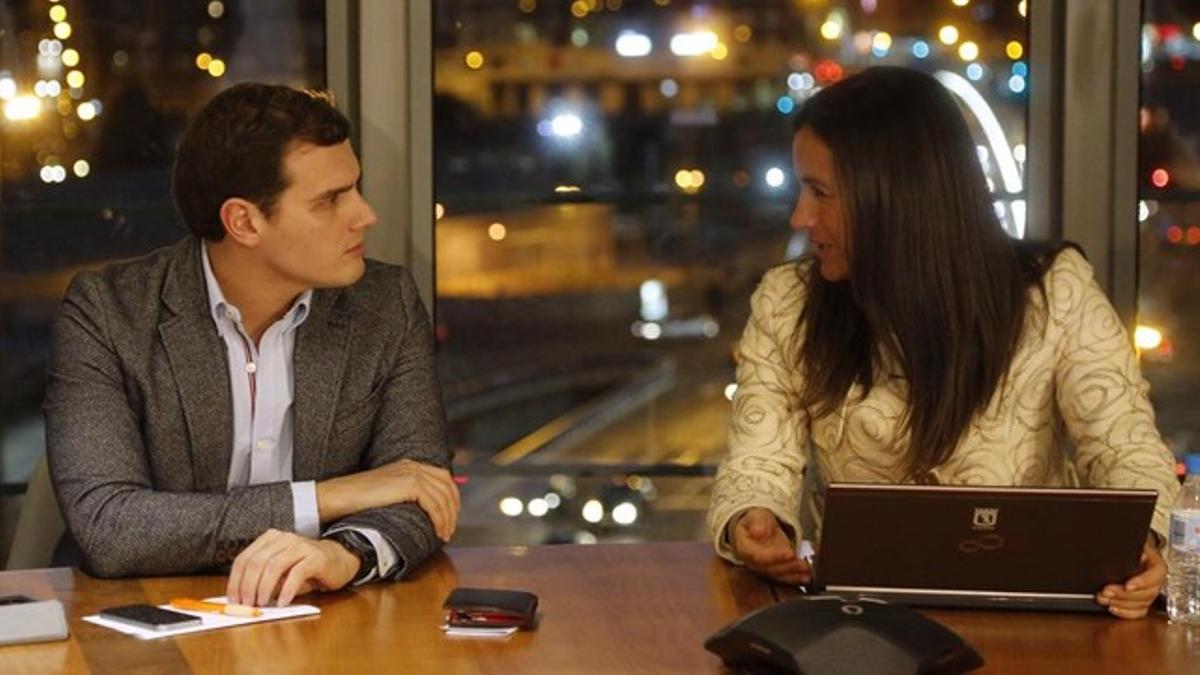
x=1018, y=548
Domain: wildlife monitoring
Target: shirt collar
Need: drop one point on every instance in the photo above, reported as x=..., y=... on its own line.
x=223, y=309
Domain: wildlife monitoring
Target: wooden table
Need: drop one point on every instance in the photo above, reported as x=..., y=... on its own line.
x=605, y=609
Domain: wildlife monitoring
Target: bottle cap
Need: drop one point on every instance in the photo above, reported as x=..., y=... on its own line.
x=1192, y=462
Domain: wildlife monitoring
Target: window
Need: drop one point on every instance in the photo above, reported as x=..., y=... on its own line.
x=94, y=97
x=1168, y=334
x=612, y=178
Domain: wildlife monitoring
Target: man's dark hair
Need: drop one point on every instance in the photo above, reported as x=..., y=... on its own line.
x=235, y=146
x=935, y=282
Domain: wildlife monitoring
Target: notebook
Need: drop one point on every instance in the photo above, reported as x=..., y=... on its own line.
x=1020, y=548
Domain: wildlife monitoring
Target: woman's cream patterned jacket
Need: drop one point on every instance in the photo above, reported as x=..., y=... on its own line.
x=1073, y=409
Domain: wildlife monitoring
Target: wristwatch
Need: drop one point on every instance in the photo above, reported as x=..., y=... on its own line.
x=362, y=548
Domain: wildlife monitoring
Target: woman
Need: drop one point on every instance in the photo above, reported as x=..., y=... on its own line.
x=921, y=344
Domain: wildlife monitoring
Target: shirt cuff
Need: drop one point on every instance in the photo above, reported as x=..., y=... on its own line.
x=387, y=560
x=304, y=509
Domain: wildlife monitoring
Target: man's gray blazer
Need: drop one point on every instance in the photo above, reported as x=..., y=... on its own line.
x=139, y=424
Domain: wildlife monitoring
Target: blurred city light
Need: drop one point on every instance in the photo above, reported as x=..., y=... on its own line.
x=8, y=87
x=1160, y=178
x=624, y=513
x=538, y=507
x=62, y=30
x=566, y=125
x=961, y=3
x=58, y=13
x=216, y=9
x=668, y=87
x=1196, y=31
x=216, y=68
x=474, y=60
x=553, y=500
x=1147, y=338
x=1022, y=8
x=730, y=390
x=975, y=72
x=86, y=111
x=1019, y=152
x=22, y=108
x=1143, y=211
x=564, y=189
x=743, y=33
x=785, y=105
x=1014, y=50
x=1174, y=234
x=1020, y=68
x=833, y=26
x=82, y=168
x=774, y=177
x=881, y=44
x=70, y=58
x=1016, y=83
x=654, y=302
x=75, y=80
x=719, y=52
x=438, y=211
x=694, y=43
x=920, y=49
x=948, y=34
x=511, y=507
x=593, y=511
x=632, y=45
x=579, y=37
x=203, y=59
x=968, y=51
x=497, y=231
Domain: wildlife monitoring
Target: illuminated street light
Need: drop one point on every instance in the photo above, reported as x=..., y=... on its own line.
x=694, y=43
x=1147, y=338
x=566, y=125
x=631, y=45
x=593, y=511
x=625, y=513
x=511, y=507
x=22, y=108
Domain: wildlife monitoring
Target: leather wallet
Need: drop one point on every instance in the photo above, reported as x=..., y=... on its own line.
x=490, y=608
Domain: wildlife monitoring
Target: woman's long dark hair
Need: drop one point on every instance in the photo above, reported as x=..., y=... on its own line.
x=935, y=285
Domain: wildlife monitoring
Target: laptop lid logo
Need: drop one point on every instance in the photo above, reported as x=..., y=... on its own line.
x=985, y=519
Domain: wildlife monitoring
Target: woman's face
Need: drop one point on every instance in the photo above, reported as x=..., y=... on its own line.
x=819, y=207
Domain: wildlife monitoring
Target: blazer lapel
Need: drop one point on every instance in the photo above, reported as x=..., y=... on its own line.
x=318, y=363
x=199, y=366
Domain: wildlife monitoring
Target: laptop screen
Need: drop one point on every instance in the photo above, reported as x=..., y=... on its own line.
x=1018, y=540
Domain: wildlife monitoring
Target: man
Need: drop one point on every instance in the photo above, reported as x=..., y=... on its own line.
x=257, y=394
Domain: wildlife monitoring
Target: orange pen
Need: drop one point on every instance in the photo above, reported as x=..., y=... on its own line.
x=193, y=605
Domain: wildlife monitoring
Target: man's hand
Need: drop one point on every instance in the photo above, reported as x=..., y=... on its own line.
x=431, y=487
x=283, y=565
x=1132, y=600
x=763, y=546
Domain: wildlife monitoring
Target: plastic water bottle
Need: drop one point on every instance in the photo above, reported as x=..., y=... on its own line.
x=1183, y=575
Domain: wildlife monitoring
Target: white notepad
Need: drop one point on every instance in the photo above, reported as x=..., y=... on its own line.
x=210, y=621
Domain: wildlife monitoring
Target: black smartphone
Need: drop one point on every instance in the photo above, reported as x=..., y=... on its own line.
x=149, y=616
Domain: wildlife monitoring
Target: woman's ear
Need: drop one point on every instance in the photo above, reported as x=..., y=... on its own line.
x=242, y=221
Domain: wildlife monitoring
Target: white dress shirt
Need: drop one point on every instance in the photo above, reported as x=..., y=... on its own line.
x=262, y=383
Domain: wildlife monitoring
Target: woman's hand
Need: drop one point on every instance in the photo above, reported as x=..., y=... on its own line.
x=763, y=546
x=1132, y=600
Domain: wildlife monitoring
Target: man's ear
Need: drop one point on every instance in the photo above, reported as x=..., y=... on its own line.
x=242, y=220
